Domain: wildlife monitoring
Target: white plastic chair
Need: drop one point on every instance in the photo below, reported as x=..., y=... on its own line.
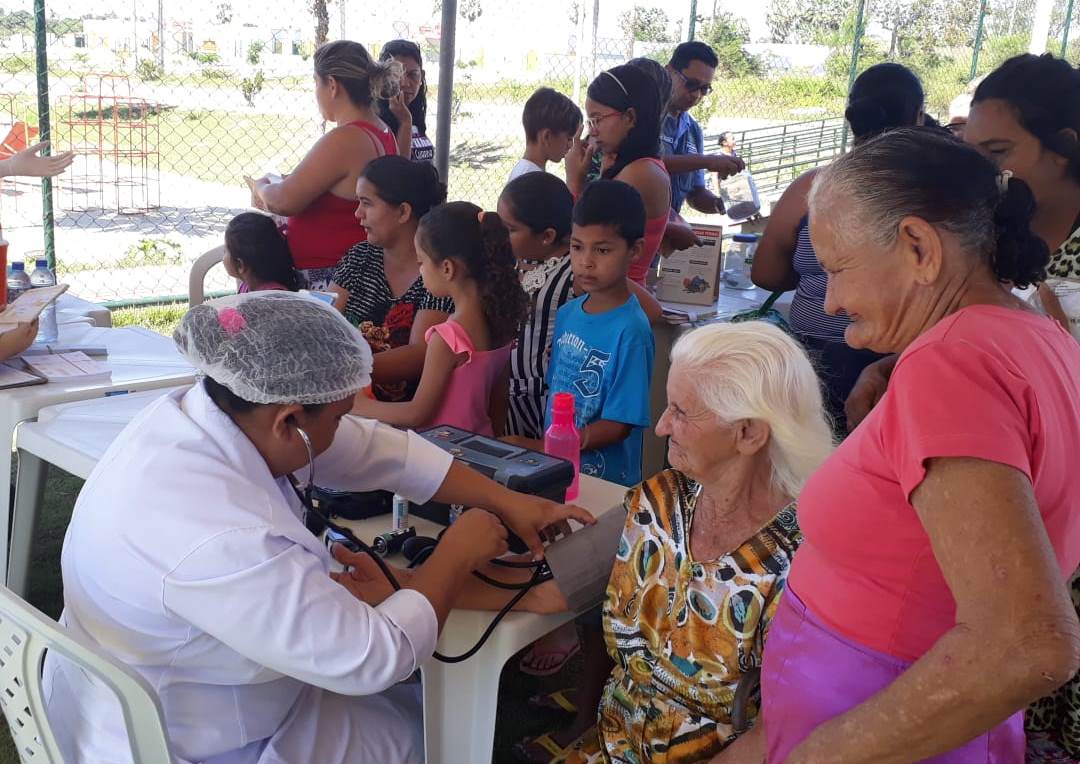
x=199, y=269
x=25, y=635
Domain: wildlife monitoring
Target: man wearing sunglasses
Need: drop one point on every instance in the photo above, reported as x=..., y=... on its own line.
x=692, y=68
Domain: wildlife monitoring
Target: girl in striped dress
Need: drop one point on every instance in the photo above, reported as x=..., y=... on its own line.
x=535, y=208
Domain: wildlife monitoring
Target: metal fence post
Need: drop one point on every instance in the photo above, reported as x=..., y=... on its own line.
x=978, y=41
x=1040, y=26
x=44, y=131
x=853, y=70
x=447, y=39
x=1065, y=31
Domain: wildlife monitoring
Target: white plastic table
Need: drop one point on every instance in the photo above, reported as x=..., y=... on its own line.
x=139, y=360
x=460, y=700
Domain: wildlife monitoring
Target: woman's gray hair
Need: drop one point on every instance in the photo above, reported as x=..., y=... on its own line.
x=926, y=173
x=754, y=370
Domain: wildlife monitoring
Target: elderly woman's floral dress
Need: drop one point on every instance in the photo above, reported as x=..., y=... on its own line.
x=683, y=632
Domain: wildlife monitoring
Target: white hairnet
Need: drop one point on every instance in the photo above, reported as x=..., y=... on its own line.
x=276, y=347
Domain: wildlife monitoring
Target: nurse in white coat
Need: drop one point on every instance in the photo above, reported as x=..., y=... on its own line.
x=187, y=557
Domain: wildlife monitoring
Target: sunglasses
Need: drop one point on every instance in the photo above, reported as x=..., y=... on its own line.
x=693, y=85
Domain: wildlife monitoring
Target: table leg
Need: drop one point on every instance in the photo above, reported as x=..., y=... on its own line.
x=29, y=487
x=5, y=494
x=460, y=702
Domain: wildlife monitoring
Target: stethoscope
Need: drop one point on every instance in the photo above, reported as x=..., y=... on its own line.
x=541, y=571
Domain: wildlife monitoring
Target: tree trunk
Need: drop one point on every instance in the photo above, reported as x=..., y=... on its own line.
x=894, y=41
x=322, y=21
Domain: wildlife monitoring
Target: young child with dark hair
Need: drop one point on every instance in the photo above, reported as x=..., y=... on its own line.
x=603, y=346
x=603, y=356
x=552, y=122
x=603, y=349
x=257, y=254
x=465, y=255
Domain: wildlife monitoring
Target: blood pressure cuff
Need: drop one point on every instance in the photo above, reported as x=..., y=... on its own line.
x=581, y=563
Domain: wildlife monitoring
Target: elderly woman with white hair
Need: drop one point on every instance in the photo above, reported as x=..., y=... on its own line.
x=927, y=606
x=188, y=558
x=705, y=550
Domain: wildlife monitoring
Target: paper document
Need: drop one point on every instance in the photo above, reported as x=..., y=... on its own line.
x=12, y=377
x=67, y=366
x=29, y=305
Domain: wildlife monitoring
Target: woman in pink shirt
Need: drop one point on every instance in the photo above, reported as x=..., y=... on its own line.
x=927, y=607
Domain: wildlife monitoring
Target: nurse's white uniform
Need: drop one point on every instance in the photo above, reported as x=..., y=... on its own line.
x=188, y=561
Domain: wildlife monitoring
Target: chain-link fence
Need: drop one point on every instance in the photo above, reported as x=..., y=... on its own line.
x=169, y=105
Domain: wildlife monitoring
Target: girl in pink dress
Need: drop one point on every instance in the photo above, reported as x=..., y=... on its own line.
x=464, y=254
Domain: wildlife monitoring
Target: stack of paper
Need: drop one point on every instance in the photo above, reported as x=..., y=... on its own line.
x=67, y=367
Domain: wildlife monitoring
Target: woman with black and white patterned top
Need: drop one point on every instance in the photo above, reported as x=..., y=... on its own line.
x=378, y=282
x=536, y=210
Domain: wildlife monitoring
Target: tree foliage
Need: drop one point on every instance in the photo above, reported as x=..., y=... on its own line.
x=322, y=21
x=22, y=22
x=728, y=35
x=224, y=13
x=807, y=21
x=921, y=26
x=645, y=24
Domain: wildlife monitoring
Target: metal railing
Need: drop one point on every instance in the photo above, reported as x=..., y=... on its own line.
x=778, y=154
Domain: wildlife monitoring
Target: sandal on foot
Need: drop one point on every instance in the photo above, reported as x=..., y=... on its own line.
x=543, y=749
x=533, y=656
x=560, y=701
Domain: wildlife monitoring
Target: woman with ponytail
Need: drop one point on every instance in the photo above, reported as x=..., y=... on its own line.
x=926, y=608
x=318, y=197
x=464, y=255
x=1026, y=116
x=884, y=97
x=378, y=284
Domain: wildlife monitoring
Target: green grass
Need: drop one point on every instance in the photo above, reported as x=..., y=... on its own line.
x=160, y=318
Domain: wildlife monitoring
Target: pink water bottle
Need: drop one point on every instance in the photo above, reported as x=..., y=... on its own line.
x=562, y=438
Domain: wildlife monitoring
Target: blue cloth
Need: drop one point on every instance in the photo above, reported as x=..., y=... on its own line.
x=680, y=136
x=605, y=360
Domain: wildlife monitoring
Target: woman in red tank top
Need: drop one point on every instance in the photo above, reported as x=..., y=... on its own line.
x=319, y=196
x=623, y=114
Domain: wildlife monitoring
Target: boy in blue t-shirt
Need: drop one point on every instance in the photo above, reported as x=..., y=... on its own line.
x=603, y=346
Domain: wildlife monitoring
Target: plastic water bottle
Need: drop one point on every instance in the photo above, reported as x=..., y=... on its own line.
x=17, y=280
x=47, y=329
x=562, y=438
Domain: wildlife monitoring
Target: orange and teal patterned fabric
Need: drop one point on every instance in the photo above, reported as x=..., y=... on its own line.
x=682, y=631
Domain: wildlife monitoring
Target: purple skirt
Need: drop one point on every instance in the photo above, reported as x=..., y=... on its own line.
x=811, y=675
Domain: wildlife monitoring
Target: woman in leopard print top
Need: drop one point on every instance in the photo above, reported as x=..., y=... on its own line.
x=1026, y=116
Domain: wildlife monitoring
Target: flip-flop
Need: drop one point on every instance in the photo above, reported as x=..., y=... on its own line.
x=563, y=655
x=560, y=701
x=543, y=749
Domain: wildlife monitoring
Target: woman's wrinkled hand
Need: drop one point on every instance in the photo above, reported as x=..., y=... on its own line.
x=868, y=390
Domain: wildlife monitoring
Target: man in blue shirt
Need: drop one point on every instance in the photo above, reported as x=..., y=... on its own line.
x=692, y=68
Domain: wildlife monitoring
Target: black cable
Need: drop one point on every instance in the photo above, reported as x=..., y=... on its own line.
x=540, y=574
x=491, y=626
x=519, y=564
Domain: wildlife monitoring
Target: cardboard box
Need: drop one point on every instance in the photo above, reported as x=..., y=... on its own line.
x=692, y=276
